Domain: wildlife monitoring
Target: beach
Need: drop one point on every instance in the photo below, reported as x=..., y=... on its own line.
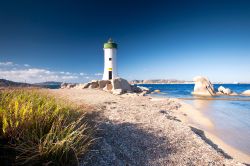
x=199, y=120
x=142, y=130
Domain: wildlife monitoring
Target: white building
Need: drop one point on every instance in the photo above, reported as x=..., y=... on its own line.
x=110, y=68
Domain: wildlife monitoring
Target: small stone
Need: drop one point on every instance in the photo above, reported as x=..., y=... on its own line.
x=117, y=91
x=157, y=91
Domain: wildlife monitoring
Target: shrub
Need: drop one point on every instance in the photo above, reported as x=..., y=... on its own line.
x=42, y=130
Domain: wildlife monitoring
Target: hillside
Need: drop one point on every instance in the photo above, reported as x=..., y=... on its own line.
x=8, y=83
x=49, y=84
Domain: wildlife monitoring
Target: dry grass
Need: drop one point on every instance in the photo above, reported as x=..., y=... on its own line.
x=41, y=129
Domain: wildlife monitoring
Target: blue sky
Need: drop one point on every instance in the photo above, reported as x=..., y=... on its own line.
x=63, y=40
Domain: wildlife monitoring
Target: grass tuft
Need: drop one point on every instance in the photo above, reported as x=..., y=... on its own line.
x=38, y=129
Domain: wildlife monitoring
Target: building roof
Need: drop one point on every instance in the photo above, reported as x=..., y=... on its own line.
x=110, y=44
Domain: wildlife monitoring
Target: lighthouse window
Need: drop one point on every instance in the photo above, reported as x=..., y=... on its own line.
x=110, y=59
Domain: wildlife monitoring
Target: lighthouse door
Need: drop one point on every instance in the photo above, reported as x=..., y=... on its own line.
x=110, y=75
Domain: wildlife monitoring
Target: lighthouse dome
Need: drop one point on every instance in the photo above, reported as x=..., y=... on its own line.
x=110, y=44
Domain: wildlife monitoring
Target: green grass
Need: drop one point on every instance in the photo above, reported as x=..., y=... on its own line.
x=37, y=129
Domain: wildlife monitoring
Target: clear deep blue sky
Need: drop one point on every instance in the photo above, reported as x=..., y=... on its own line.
x=156, y=39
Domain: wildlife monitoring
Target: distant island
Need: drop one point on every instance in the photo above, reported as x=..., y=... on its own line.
x=175, y=81
x=160, y=81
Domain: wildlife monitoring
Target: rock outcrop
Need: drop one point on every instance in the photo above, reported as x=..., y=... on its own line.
x=225, y=91
x=203, y=87
x=103, y=83
x=136, y=89
x=157, y=91
x=67, y=85
x=143, y=88
x=86, y=85
x=246, y=93
x=116, y=86
x=120, y=83
x=64, y=85
x=120, y=86
x=140, y=89
x=94, y=84
x=71, y=86
x=108, y=87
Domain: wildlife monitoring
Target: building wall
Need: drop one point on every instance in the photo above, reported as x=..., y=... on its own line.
x=109, y=53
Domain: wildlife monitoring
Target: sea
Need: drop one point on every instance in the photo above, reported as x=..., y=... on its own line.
x=229, y=114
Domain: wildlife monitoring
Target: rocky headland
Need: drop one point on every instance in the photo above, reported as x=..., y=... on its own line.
x=115, y=86
x=203, y=87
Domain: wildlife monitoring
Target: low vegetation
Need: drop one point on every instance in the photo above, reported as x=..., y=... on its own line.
x=37, y=129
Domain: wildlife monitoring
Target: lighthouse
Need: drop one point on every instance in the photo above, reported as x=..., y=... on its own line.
x=110, y=70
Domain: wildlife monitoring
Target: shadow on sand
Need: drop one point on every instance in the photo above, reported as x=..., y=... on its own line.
x=202, y=135
x=125, y=144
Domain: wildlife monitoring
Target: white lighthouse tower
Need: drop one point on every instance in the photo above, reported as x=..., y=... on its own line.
x=110, y=70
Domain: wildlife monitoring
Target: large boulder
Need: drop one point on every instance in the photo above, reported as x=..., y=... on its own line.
x=225, y=91
x=144, y=88
x=246, y=93
x=86, y=85
x=140, y=90
x=157, y=91
x=64, y=85
x=203, y=87
x=136, y=89
x=71, y=86
x=120, y=83
x=108, y=87
x=94, y=84
x=103, y=83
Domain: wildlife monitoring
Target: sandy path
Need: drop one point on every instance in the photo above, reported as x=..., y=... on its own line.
x=140, y=131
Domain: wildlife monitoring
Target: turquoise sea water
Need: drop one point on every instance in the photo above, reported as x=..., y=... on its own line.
x=231, y=116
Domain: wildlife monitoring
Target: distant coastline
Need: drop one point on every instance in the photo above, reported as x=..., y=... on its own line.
x=48, y=84
x=56, y=85
x=174, y=81
x=160, y=81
